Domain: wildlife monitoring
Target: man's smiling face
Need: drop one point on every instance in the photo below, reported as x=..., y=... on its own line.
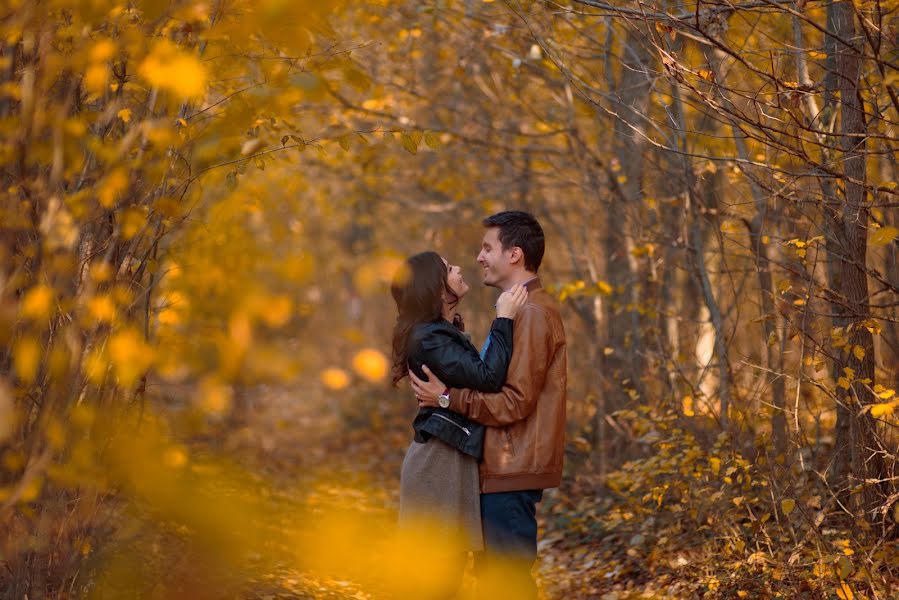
x=493, y=259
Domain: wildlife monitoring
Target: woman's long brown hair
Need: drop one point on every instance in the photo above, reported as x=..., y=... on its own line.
x=418, y=289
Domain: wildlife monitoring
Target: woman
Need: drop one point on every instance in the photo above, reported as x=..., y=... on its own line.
x=439, y=478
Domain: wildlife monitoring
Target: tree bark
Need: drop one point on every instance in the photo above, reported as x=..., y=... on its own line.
x=630, y=98
x=757, y=225
x=856, y=460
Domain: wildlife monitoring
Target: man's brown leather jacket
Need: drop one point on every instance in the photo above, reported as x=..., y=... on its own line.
x=525, y=438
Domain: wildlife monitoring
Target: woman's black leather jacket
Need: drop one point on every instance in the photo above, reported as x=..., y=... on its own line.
x=451, y=356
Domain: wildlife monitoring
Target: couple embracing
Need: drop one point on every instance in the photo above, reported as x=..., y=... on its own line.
x=489, y=433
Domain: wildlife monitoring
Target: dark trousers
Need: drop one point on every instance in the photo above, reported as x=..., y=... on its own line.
x=510, y=545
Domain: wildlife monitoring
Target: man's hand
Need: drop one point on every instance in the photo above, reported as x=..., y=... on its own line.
x=426, y=391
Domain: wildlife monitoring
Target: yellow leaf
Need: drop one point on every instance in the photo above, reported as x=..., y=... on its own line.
x=95, y=78
x=843, y=383
x=277, y=311
x=370, y=364
x=101, y=271
x=844, y=592
x=112, y=187
x=715, y=464
x=37, y=303
x=26, y=356
x=815, y=55
x=335, y=379
x=883, y=236
x=103, y=49
x=432, y=140
x=130, y=355
x=102, y=308
x=787, y=505
x=31, y=490
x=731, y=226
x=95, y=367
x=687, y=405
x=241, y=330
x=215, y=397
x=882, y=409
x=885, y=394
x=125, y=115
x=133, y=220
x=169, y=68
x=74, y=127
x=408, y=143
x=872, y=326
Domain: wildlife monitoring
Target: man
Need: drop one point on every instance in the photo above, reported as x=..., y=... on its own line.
x=524, y=442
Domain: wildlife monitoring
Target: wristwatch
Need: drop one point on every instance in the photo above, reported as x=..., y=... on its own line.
x=443, y=399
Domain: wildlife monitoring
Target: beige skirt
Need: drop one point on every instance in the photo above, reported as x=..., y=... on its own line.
x=439, y=487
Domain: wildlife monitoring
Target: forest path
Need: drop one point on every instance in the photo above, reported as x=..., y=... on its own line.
x=349, y=454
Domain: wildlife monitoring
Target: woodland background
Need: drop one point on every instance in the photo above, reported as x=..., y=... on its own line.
x=202, y=204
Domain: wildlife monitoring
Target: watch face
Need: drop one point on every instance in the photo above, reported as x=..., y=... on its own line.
x=443, y=401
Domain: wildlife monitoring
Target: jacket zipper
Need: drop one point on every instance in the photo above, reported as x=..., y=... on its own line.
x=448, y=420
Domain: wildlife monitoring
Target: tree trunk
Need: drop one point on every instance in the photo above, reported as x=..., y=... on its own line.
x=757, y=225
x=630, y=97
x=855, y=459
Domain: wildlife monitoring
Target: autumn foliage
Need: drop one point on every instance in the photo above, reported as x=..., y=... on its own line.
x=202, y=205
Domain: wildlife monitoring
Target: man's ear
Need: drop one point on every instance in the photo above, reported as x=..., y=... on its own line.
x=515, y=254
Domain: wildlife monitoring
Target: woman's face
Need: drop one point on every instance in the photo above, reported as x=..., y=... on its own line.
x=454, y=280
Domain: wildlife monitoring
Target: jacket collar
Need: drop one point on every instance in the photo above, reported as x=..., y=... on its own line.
x=533, y=283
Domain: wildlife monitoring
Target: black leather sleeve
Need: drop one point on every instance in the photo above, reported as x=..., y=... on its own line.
x=457, y=363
